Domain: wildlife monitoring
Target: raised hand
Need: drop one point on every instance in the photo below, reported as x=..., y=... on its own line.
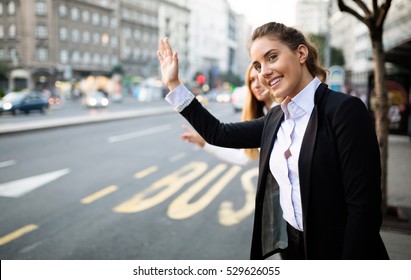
x=192, y=136
x=169, y=64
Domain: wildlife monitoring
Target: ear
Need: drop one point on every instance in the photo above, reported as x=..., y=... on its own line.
x=302, y=52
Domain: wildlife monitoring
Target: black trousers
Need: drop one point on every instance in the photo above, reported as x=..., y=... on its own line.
x=295, y=249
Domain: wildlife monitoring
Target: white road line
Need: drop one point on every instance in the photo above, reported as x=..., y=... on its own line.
x=7, y=163
x=139, y=133
x=21, y=187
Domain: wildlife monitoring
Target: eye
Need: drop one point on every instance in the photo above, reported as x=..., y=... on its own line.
x=272, y=57
x=257, y=67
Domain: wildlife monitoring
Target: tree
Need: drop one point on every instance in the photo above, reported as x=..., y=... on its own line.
x=374, y=19
x=337, y=56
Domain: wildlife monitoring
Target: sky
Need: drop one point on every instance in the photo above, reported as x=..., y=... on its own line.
x=259, y=12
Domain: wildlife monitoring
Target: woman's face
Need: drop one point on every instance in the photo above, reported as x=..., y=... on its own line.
x=280, y=69
x=258, y=90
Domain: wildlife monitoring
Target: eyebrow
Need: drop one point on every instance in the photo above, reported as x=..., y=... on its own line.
x=267, y=53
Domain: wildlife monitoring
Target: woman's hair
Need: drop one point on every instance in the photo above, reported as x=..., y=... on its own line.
x=292, y=38
x=252, y=109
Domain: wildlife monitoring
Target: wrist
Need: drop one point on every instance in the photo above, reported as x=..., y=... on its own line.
x=172, y=85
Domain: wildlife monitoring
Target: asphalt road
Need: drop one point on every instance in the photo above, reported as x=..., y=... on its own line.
x=127, y=189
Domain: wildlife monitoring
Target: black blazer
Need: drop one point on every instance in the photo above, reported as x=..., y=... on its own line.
x=339, y=170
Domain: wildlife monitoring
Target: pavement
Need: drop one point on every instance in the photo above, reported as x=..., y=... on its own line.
x=396, y=228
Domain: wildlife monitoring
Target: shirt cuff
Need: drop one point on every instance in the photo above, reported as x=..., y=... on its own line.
x=179, y=98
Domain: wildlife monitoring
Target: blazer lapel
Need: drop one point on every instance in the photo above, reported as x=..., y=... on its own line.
x=270, y=134
x=307, y=150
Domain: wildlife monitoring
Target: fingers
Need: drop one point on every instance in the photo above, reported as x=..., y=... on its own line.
x=167, y=47
x=160, y=56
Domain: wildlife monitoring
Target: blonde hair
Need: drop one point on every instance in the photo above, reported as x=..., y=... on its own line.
x=252, y=109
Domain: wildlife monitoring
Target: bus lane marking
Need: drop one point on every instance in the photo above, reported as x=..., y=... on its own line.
x=182, y=208
x=162, y=189
x=143, y=173
x=98, y=195
x=17, y=233
x=227, y=216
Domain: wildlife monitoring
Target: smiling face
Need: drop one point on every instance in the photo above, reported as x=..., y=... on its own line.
x=258, y=90
x=281, y=70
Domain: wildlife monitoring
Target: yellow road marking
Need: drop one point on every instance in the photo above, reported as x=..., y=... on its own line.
x=99, y=194
x=146, y=172
x=162, y=189
x=183, y=207
x=17, y=233
x=227, y=216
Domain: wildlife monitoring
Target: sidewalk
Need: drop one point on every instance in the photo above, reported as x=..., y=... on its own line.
x=7, y=128
x=395, y=232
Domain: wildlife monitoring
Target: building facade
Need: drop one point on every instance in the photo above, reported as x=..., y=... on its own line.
x=49, y=43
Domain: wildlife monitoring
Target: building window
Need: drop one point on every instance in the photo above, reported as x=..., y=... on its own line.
x=74, y=14
x=41, y=8
x=12, y=31
x=75, y=36
x=114, y=42
x=96, y=19
x=2, y=54
x=41, y=31
x=104, y=21
x=86, y=37
x=1, y=32
x=106, y=60
x=11, y=8
x=113, y=22
x=85, y=15
x=63, y=33
x=96, y=59
x=64, y=56
x=96, y=38
x=1, y=9
x=86, y=58
x=62, y=10
x=75, y=57
x=13, y=55
x=42, y=54
x=137, y=35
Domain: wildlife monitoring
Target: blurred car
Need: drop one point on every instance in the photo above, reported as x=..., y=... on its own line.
x=96, y=99
x=15, y=102
x=238, y=98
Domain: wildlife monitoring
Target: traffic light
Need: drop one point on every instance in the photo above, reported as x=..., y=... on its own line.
x=201, y=79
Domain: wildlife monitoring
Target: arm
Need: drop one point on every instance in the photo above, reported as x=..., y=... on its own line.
x=233, y=156
x=234, y=135
x=360, y=164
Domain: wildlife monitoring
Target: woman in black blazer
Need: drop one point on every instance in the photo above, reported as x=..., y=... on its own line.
x=318, y=193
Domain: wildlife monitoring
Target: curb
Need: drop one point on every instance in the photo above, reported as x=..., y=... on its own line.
x=79, y=120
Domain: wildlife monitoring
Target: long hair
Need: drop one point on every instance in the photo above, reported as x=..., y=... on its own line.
x=292, y=38
x=252, y=109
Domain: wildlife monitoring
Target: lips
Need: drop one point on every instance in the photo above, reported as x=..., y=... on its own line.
x=273, y=83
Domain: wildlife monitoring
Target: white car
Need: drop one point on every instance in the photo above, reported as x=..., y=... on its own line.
x=96, y=99
x=238, y=98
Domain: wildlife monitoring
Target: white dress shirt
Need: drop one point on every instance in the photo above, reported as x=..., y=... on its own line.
x=286, y=151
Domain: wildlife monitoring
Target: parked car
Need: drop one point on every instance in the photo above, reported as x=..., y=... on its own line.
x=238, y=98
x=15, y=102
x=96, y=99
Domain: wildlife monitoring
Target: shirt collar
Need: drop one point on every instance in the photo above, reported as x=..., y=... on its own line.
x=304, y=100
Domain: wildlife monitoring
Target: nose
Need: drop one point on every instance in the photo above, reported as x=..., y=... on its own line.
x=265, y=71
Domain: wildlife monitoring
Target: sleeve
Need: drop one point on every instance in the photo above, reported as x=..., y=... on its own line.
x=231, y=135
x=233, y=156
x=361, y=171
x=179, y=98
